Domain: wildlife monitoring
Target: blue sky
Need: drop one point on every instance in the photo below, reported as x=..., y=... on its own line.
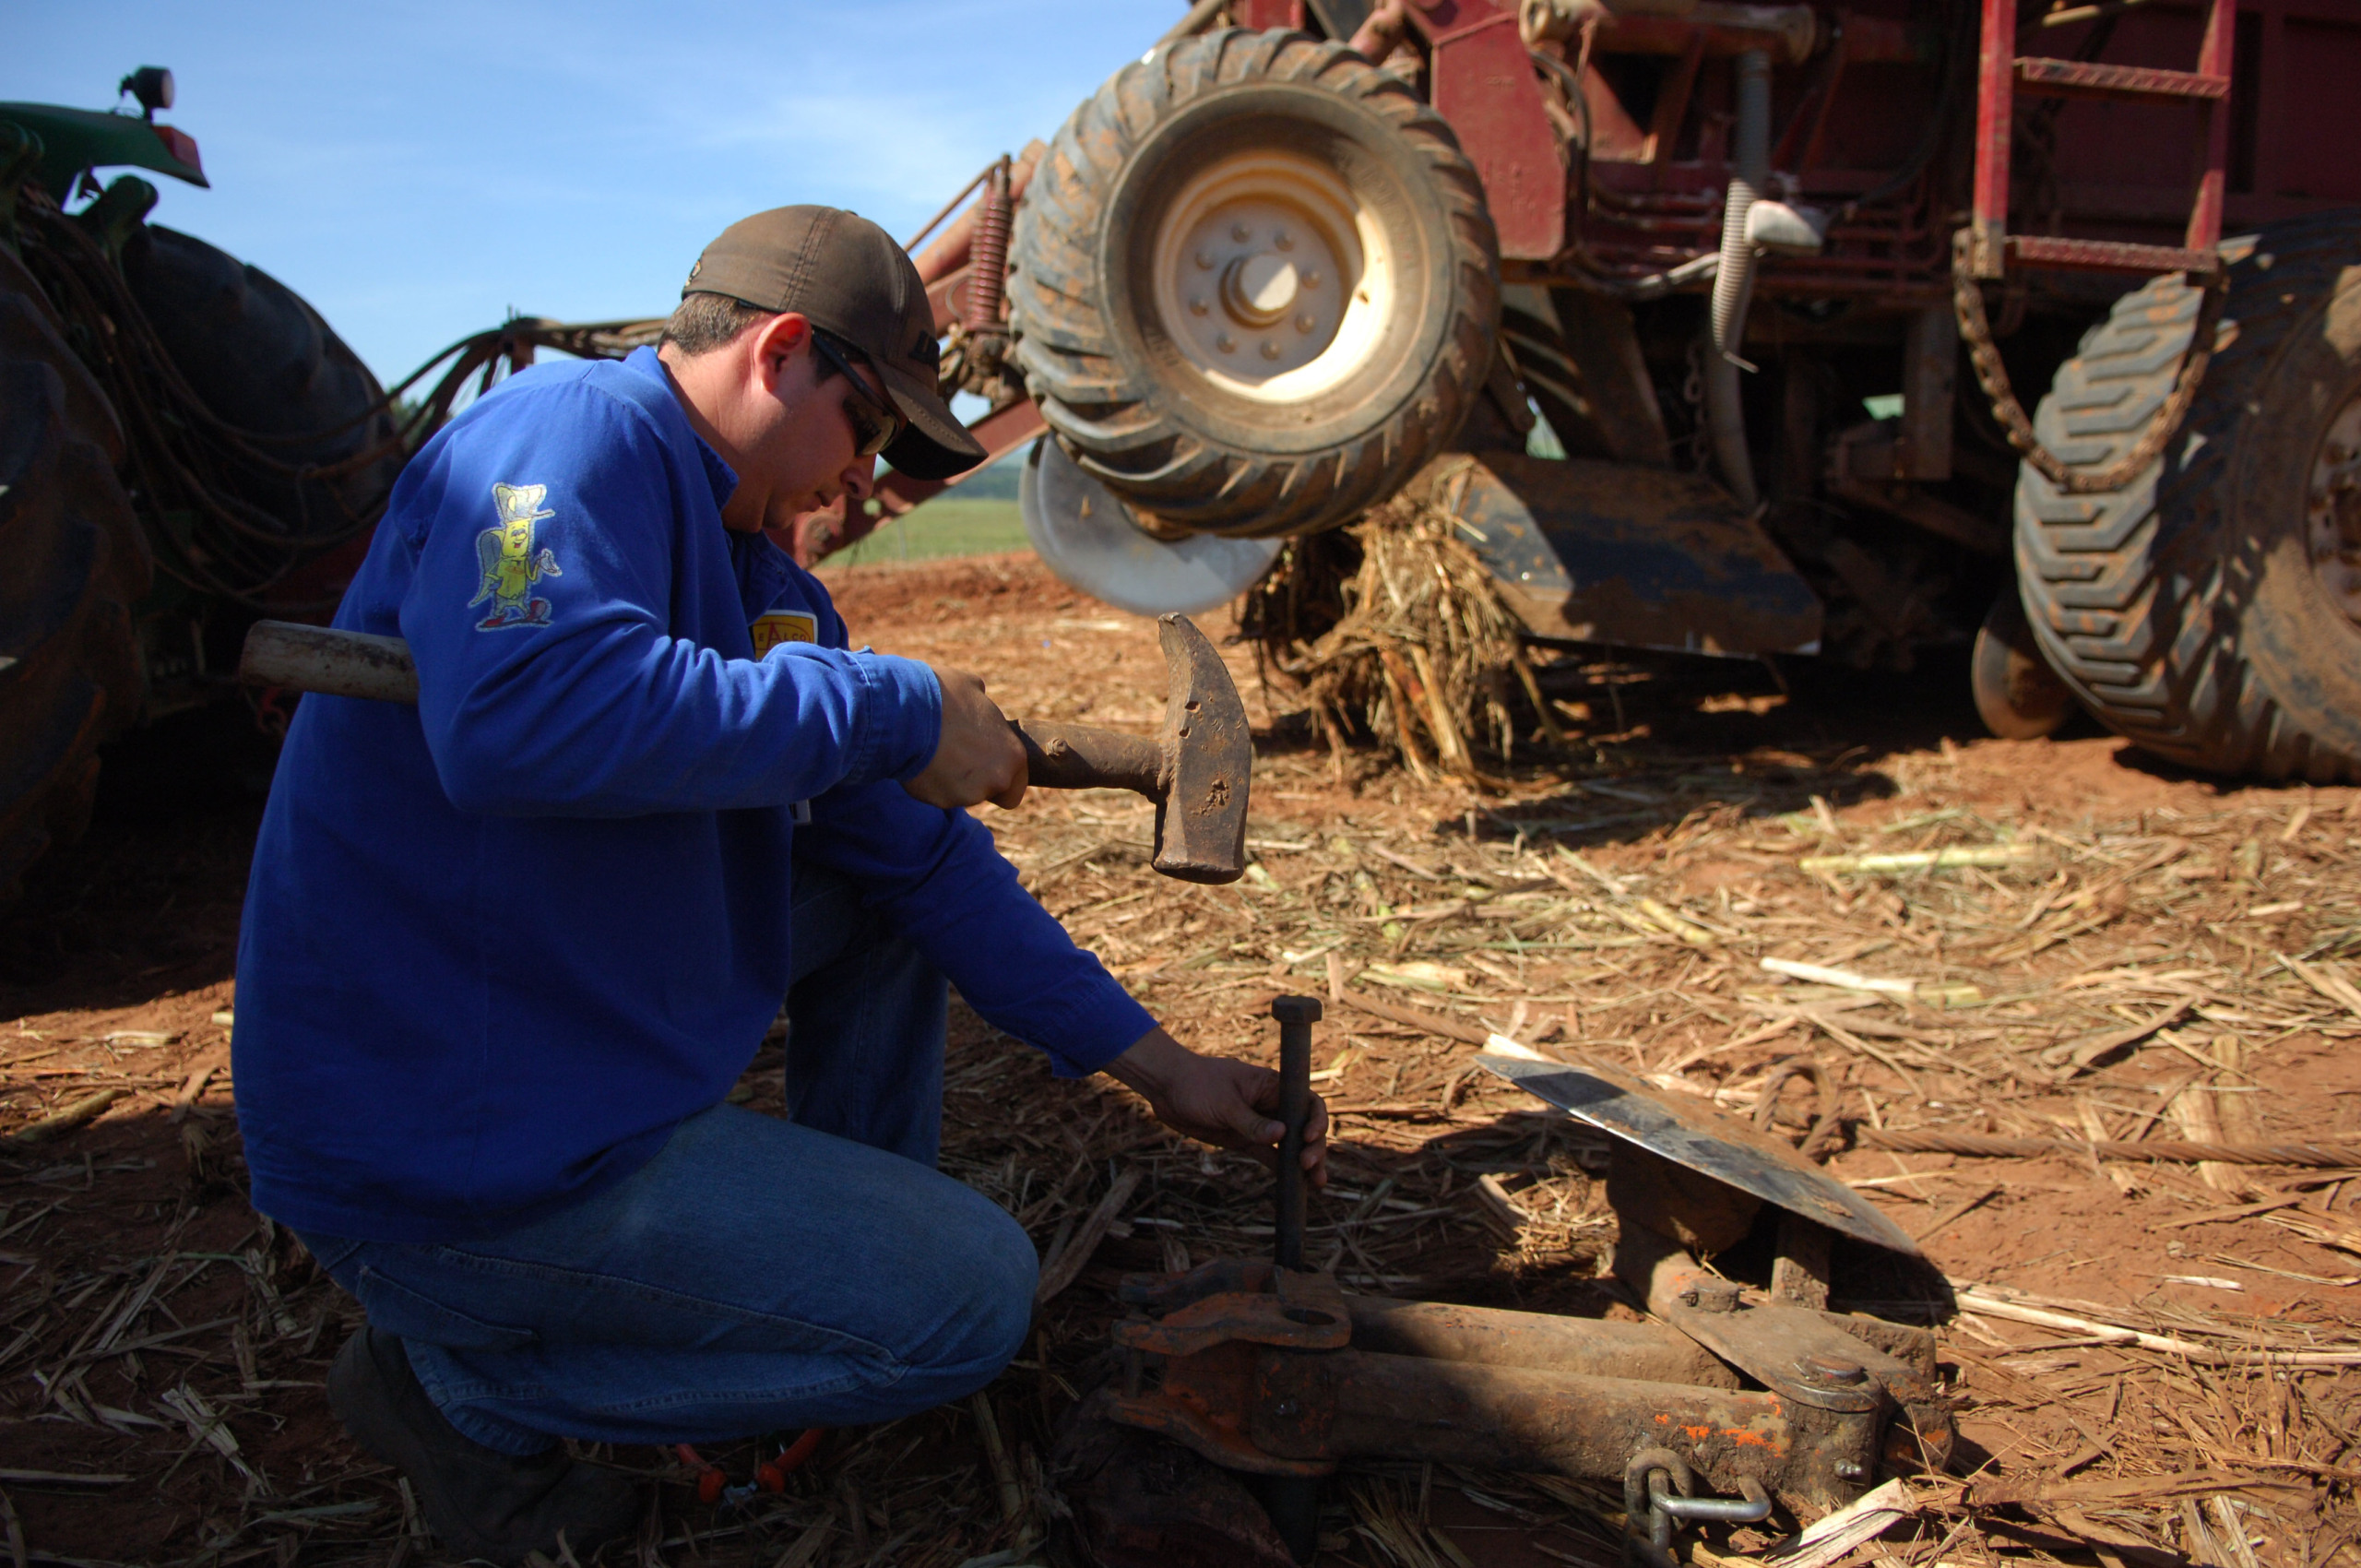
x=416, y=171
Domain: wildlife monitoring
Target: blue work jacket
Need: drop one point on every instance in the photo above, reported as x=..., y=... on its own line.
x=497, y=945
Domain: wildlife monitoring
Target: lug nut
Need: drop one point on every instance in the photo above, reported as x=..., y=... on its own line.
x=1283, y=240
x=1311, y=280
x=1198, y=307
x=1204, y=260
x=1225, y=343
x=1835, y=1369
x=1270, y=350
x=1305, y=323
x=1240, y=232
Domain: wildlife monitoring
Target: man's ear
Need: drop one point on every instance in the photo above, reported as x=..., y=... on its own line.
x=777, y=343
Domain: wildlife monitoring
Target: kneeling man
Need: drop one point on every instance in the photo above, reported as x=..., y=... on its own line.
x=506, y=953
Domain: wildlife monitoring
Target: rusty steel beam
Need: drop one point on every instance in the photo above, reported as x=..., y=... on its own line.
x=1528, y=1418
x=1276, y=1372
x=1276, y=1411
x=2040, y=78
x=2104, y=255
x=1485, y=1336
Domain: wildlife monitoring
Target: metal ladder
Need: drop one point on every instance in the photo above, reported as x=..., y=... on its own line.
x=2002, y=75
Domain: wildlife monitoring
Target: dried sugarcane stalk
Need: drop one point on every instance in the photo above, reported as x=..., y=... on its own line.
x=1420, y=640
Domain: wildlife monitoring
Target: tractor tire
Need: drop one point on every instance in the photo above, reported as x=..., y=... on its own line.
x=1255, y=285
x=75, y=563
x=2211, y=610
x=262, y=360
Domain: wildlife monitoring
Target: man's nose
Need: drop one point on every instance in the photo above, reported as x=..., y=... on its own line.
x=860, y=478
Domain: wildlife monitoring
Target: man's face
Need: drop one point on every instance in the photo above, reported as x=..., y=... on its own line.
x=801, y=446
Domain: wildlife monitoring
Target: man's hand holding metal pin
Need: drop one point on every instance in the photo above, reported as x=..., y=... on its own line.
x=1227, y=1103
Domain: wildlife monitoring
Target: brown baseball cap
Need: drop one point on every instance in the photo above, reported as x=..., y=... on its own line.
x=850, y=278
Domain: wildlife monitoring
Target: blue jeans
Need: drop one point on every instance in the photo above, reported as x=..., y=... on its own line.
x=756, y=1275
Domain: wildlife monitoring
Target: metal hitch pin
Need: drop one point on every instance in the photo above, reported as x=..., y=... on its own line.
x=1293, y=1503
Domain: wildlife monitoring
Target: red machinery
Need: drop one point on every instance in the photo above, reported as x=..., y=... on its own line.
x=1713, y=245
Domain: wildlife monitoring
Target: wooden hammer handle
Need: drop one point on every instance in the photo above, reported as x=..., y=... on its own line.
x=322, y=658
x=1075, y=757
x=359, y=664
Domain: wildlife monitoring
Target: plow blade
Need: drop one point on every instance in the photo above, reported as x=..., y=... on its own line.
x=1638, y=557
x=1691, y=1132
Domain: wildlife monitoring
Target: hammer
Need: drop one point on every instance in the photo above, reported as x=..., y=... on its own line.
x=1196, y=771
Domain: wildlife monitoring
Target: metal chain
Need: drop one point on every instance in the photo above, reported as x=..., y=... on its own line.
x=1967, y=300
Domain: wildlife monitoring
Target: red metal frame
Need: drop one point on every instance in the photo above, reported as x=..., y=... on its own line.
x=2002, y=75
x=1481, y=79
x=1996, y=43
x=1650, y=191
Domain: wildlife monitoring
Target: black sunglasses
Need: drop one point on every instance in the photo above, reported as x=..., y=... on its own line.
x=875, y=425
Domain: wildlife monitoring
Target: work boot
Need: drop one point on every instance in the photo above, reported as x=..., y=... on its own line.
x=483, y=1503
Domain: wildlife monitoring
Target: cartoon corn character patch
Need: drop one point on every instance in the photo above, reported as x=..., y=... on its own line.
x=510, y=563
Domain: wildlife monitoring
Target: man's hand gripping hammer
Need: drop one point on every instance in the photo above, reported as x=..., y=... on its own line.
x=1196, y=769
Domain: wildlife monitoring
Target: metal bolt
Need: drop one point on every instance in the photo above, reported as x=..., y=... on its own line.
x=1295, y=1017
x=1198, y=307
x=1835, y=1369
x=1225, y=343
x=1711, y=1296
x=1240, y=232
x=1305, y=322
x=1311, y=280
x=1270, y=350
x=1204, y=260
x=1283, y=240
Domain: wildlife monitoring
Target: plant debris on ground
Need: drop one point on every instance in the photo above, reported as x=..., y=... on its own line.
x=1705, y=882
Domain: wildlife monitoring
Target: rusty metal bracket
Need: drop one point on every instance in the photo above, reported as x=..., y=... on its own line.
x=1216, y=1396
x=1273, y=1371
x=1272, y=1381
x=1800, y=1353
x=1305, y=1311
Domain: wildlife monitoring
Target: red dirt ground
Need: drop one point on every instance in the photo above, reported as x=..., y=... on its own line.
x=118, y=957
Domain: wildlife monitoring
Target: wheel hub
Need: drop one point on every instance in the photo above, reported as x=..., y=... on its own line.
x=1270, y=278
x=2333, y=510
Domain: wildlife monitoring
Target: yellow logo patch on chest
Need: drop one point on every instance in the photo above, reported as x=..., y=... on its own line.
x=783, y=626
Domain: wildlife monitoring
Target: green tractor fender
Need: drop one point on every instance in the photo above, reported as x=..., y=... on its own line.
x=74, y=141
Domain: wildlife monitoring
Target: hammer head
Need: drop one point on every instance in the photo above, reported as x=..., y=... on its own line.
x=1207, y=758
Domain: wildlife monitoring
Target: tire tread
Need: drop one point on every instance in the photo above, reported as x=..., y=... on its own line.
x=2135, y=596
x=1111, y=421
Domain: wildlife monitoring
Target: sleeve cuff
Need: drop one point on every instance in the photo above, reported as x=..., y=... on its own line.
x=905, y=721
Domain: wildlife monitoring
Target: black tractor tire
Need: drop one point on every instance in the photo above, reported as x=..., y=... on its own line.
x=1115, y=378
x=2188, y=611
x=262, y=360
x=73, y=561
